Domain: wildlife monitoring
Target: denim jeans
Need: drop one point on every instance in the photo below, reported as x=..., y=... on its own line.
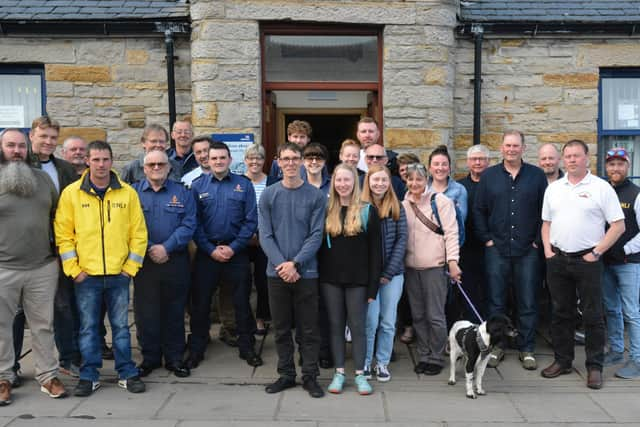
x=114, y=291
x=565, y=275
x=621, y=289
x=381, y=318
x=207, y=275
x=160, y=295
x=523, y=273
x=66, y=323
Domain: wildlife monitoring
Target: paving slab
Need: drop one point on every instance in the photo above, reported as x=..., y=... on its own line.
x=113, y=402
x=387, y=424
x=447, y=406
x=248, y=424
x=29, y=401
x=87, y=422
x=219, y=402
x=559, y=407
x=298, y=405
x=622, y=407
x=5, y=420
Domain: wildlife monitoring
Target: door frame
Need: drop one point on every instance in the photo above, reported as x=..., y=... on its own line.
x=271, y=139
x=282, y=112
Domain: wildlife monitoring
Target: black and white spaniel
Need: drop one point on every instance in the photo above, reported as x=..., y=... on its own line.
x=475, y=343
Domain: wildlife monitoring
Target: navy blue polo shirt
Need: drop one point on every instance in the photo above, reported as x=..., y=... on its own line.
x=508, y=211
x=170, y=214
x=226, y=210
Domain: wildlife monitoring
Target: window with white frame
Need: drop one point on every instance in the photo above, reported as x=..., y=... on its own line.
x=619, y=114
x=22, y=97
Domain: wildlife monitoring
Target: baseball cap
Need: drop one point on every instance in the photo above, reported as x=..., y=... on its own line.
x=618, y=153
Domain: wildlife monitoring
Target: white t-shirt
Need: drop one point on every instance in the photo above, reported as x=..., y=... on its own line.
x=50, y=169
x=578, y=213
x=362, y=163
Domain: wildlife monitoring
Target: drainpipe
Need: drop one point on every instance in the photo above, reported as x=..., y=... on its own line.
x=477, y=32
x=171, y=81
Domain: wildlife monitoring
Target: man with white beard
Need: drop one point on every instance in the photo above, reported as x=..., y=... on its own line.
x=28, y=265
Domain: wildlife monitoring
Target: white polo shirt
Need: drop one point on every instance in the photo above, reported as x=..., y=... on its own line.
x=578, y=213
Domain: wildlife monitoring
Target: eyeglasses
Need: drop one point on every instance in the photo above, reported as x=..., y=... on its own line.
x=478, y=159
x=254, y=159
x=313, y=157
x=290, y=159
x=156, y=141
x=182, y=132
x=373, y=157
x=156, y=165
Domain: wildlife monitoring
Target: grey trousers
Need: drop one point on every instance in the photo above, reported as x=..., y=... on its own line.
x=427, y=293
x=38, y=288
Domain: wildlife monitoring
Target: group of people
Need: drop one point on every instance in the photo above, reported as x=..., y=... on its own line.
x=375, y=244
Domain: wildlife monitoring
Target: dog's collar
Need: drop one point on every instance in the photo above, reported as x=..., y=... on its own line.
x=482, y=346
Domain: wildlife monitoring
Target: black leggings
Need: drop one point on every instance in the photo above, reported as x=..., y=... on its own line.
x=346, y=306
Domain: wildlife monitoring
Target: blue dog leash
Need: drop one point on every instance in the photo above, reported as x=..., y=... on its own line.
x=466, y=297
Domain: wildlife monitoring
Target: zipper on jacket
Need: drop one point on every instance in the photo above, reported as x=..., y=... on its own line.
x=108, y=210
x=104, y=261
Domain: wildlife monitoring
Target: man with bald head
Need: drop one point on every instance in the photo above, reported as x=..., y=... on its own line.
x=549, y=162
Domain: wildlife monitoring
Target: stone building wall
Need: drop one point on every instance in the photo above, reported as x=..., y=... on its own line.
x=545, y=87
x=418, y=63
x=106, y=88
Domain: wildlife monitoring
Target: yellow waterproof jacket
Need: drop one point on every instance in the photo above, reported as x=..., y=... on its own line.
x=100, y=236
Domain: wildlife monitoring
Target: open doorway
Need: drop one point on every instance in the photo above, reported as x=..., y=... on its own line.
x=330, y=127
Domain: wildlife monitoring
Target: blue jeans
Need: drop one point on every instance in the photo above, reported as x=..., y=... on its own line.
x=621, y=289
x=114, y=291
x=381, y=318
x=523, y=273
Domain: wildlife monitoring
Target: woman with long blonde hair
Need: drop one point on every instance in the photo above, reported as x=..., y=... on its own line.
x=350, y=266
x=381, y=313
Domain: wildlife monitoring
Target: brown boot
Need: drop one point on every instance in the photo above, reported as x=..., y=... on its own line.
x=54, y=388
x=5, y=393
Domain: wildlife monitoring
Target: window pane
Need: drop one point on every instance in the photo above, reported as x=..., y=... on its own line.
x=321, y=58
x=631, y=144
x=620, y=104
x=20, y=99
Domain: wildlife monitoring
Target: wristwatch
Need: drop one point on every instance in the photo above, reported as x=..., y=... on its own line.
x=297, y=265
x=596, y=253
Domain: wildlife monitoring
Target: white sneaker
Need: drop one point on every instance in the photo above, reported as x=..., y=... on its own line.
x=382, y=373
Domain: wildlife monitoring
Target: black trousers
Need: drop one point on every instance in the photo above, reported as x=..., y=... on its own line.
x=565, y=275
x=160, y=295
x=299, y=300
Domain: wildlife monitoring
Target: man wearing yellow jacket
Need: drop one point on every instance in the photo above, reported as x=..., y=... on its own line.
x=102, y=239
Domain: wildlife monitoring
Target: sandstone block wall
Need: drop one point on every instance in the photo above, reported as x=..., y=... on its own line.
x=418, y=63
x=106, y=88
x=545, y=87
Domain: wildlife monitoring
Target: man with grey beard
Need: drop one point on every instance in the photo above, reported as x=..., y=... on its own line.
x=28, y=265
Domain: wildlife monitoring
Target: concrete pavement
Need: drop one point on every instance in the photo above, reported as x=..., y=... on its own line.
x=225, y=391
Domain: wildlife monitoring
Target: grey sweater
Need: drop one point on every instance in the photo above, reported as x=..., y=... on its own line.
x=25, y=234
x=290, y=224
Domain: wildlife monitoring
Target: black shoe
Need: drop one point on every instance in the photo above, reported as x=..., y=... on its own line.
x=420, y=368
x=193, y=360
x=133, y=385
x=107, y=352
x=85, y=388
x=17, y=381
x=252, y=358
x=432, y=369
x=325, y=363
x=228, y=338
x=144, y=369
x=311, y=385
x=178, y=369
x=281, y=384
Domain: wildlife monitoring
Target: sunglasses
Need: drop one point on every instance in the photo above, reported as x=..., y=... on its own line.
x=373, y=157
x=156, y=165
x=621, y=153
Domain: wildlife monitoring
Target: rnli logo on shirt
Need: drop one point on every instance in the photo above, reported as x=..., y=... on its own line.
x=238, y=189
x=584, y=195
x=175, y=203
x=119, y=205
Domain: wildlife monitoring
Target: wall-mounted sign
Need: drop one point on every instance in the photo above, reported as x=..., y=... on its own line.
x=238, y=143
